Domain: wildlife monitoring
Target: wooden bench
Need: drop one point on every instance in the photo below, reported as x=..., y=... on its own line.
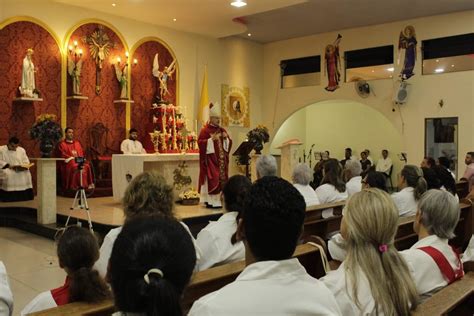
x=315, y=224
x=202, y=283
x=455, y=299
x=406, y=236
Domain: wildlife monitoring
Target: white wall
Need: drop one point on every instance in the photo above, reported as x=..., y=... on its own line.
x=456, y=89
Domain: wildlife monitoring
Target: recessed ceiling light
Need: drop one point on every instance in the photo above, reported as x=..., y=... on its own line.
x=249, y=34
x=373, y=70
x=113, y=4
x=437, y=60
x=452, y=65
x=238, y=3
x=174, y=20
x=438, y=70
x=390, y=69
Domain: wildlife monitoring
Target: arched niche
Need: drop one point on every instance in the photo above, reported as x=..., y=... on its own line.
x=145, y=86
x=337, y=124
x=83, y=114
x=16, y=118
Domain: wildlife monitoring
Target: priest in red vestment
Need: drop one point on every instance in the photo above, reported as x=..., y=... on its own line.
x=214, y=147
x=69, y=149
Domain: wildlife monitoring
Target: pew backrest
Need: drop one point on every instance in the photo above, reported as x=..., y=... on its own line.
x=315, y=224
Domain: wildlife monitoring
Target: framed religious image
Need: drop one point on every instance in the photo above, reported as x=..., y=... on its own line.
x=235, y=106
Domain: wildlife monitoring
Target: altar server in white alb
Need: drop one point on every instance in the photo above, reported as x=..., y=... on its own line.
x=6, y=296
x=15, y=176
x=433, y=263
x=132, y=145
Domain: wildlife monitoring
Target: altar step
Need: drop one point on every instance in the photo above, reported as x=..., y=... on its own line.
x=103, y=187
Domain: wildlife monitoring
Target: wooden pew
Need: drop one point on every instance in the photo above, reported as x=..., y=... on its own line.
x=462, y=189
x=455, y=299
x=406, y=236
x=315, y=224
x=202, y=283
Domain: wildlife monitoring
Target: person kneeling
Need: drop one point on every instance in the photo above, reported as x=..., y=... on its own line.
x=273, y=282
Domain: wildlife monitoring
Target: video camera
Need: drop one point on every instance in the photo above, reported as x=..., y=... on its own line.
x=80, y=162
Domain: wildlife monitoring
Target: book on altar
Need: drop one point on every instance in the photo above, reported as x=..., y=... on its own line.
x=26, y=166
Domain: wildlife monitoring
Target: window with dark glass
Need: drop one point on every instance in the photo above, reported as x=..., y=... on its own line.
x=369, y=63
x=300, y=72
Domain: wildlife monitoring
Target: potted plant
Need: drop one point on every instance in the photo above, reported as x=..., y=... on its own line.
x=47, y=130
x=258, y=136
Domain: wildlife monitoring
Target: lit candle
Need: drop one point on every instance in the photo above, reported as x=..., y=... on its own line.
x=80, y=52
x=75, y=43
x=119, y=60
x=126, y=54
x=135, y=61
x=70, y=48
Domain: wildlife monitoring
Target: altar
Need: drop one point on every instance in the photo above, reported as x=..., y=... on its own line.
x=170, y=166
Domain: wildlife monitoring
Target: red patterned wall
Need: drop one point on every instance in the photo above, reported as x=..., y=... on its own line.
x=17, y=117
x=144, y=87
x=81, y=115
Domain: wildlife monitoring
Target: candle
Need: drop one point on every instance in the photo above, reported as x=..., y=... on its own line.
x=75, y=43
x=195, y=125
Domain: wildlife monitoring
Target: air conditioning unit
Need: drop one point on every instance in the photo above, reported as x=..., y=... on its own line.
x=401, y=94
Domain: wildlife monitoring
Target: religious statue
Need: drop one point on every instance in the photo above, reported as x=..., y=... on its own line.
x=27, y=88
x=121, y=72
x=163, y=76
x=99, y=46
x=407, y=41
x=74, y=68
x=333, y=65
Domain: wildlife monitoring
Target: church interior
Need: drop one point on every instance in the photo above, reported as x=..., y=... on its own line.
x=96, y=94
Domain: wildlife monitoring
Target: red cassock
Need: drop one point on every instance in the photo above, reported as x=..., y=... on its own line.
x=215, y=166
x=70, y=178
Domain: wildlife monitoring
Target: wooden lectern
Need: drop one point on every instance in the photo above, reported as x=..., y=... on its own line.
x=289, y=158
x=242, y=152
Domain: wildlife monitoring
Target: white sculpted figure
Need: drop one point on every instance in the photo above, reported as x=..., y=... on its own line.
x=121, y=73
x=28, y=75
x=74, y=69
x=164, y=75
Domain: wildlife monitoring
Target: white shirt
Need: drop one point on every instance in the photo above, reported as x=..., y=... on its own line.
x=310, y=196
x=469, y=253
x=425, y=272
x=327, y=193
x=6, y=296
x=336, y=283
x=42, y=301
x=405, y=202
x=269, y=288
x=12, y=180
x=354, y=185
x=108, y=244
x=337, y=247
x=130, y=146
x=384, y=165
x=215, y=245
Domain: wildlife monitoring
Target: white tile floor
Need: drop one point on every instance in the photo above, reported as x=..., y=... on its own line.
x=31, y=263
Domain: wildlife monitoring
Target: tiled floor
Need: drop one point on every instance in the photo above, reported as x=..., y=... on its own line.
x=31, y=263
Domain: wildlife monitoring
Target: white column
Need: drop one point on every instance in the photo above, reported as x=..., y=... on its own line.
x=46, y=184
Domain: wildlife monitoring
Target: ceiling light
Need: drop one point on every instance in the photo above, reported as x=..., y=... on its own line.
x=113, y=4
x=437, y=60
x=174, y=20
x=452, y=65
x=373, y=70
x=238, y=3
x=249, y=34
x=390, y=69
x=438, y=70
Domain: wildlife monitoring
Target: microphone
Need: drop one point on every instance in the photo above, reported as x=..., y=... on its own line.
x=304, y=155
x=310, y=151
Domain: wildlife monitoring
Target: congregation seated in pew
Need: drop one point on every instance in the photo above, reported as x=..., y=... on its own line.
x=151, y=263
x=352, y=171
x=77, y=250
x=433, y=263
x=412, y=185
x=270, y=227
x=217, y=241
x=375, y=179
x=15, y=176
x=302, y=176
x=373, y=279
x=332, y=188
x=266, y=165
x=148, y=194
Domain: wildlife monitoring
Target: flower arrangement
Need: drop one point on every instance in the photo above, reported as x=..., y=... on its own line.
x=46, y=128
x=259, y=135
x=189, y=195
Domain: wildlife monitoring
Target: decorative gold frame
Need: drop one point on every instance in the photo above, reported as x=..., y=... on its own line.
x=230, y=95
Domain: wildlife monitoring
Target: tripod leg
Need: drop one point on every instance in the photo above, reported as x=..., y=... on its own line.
x=84, y=200
x=72, y=207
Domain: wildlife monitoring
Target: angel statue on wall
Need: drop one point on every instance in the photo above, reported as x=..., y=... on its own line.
x=333, y=64
x=28, y=87
x=407, y=41
x=121, y=72
x=163, y=76
x=99, y=46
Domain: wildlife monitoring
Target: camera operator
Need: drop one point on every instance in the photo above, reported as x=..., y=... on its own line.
x=71, y=150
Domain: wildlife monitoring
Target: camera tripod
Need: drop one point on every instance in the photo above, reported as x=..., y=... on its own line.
x=80, y=200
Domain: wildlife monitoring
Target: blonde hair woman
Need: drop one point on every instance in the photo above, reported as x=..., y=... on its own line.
x=374, y=278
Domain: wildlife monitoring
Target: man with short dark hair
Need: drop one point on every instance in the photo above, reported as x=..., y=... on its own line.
x=70, y=149
x=132, y=145
x=273, y=282
x=347, y=156
x=469, y=173
x=15, y=176
x=385, y=163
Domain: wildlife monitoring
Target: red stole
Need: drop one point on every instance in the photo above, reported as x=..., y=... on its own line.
x=61, y=294
x=443, y=264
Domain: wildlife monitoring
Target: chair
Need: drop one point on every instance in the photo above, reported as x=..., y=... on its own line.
x=390, y=178
x=100, y=153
